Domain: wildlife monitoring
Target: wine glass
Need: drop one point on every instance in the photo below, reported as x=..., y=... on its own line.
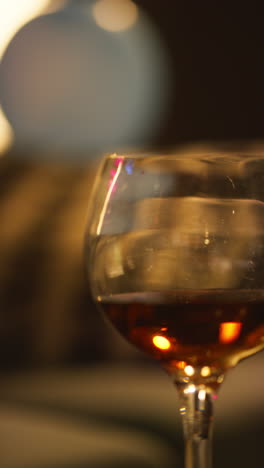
x=175, y=254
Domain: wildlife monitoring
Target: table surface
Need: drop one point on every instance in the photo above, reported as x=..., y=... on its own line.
x=116, y=416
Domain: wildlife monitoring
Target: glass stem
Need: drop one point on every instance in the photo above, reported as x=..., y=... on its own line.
x=196, y=408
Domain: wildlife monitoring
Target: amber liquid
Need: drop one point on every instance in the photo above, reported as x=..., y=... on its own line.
x=206, y=328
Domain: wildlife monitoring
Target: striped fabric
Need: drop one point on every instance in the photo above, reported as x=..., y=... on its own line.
x=47, y=316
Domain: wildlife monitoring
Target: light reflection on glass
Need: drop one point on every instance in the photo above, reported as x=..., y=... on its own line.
x=181, y=365
x=190, y=389
x=220, y=379
x=129, y=167
x=114, y=267
x=161, y=342
x=115, y=15
x=189, y=370
x=202, y=394
x=229, y=332
x=114, y=173
x=205, y=371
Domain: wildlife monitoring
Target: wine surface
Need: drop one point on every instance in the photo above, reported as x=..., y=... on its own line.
x=197, y=328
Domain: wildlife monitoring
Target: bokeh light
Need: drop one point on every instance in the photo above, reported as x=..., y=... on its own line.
x=189, y=370
x=229, y=331
x=115, y=15
x=161, y=342
x=190, y=389
x=205, y=371
x=181, y=365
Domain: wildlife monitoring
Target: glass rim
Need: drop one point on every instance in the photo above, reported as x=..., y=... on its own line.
x=205, y=151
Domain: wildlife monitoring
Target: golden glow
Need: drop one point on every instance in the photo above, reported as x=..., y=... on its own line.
x=190, y=389
x=6, y=134
x=189, y=370
x=109, y=193
x=181, y=365
x=220, y=379
x=161, y=342
x=229, y=331
x=205, y=371
x=202, y=394
x=115, y=15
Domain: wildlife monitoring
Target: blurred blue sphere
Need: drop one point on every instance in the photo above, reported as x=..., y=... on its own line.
x=72, y=85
